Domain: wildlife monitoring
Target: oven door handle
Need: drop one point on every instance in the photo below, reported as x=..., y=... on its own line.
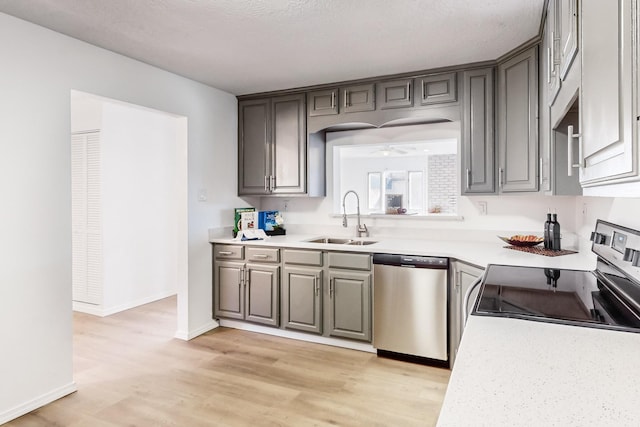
x=467, y=296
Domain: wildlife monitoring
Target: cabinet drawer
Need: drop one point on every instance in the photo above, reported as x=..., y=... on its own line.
x=228, y=251
x=295, y=256
x=349, y=260
x=263, y=254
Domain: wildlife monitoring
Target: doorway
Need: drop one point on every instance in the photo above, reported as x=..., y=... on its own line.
x=129, y=204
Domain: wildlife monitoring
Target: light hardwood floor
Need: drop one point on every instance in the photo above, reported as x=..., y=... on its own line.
x=130, y=371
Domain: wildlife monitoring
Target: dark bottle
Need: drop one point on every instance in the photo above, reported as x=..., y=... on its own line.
x=555, y=233
x=547, y=232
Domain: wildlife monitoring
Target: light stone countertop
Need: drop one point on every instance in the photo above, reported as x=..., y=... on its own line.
x=512, y=372
x=479, y=253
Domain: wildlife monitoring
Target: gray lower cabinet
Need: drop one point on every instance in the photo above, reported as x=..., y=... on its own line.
x=517, y=122
x=272, y=145
x=262, y=292
x=244, y=289
x=478, y=144
x=302, y=298
x=327, y=293
x=350, y=304
x=462, y=277
x=229, y=289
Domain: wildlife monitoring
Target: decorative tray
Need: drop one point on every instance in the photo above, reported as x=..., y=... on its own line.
x=541, y=251
x=522, y=241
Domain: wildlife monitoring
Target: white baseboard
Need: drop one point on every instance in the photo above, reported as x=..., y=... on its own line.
x=38, y=402
x=301, y=336
x=99, y=310
x=189, y=335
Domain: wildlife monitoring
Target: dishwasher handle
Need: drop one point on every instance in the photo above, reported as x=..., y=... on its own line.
x=467, y=296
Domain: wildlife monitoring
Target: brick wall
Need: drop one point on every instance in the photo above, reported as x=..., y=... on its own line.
x=442, y=187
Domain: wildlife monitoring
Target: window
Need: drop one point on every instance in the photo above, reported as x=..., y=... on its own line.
x=393, y=175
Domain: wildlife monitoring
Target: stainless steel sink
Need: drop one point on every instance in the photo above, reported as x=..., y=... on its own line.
x=341, y=241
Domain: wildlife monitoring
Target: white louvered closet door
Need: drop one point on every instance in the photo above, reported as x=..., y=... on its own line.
x=86, y=223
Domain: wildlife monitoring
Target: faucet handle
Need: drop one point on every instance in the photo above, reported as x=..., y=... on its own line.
x=363, y=231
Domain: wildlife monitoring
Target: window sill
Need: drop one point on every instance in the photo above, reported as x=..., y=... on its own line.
x=431, y=217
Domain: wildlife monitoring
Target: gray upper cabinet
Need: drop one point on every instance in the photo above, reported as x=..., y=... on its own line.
x=606, y=150
x=350, y=304
x=358, y=98
x=254, y=139
x=323, y=102
x=272, y=146
x=551, y=51
x=567, y=18
x=478, y=145
x=395, y=94
x=517, y=122
x=437, y=89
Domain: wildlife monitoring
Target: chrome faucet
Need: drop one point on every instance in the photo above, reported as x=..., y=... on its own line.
x=362, y=229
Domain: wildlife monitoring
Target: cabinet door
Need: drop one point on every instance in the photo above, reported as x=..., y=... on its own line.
x=606, y=150
x=323, y=102
x=395, y=94
x=358, y=98
x=464, y=276
x=302, y=299
x=254, y=133
x=478, y=148
x=262, y=287
x=350, y=305
x=551, y=52
x=228, y=295
x=517, y=124
x=567, y=17
x=437, y=89
x=288, y=148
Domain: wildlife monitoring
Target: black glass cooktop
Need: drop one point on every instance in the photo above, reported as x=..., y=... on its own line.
x=553, y=295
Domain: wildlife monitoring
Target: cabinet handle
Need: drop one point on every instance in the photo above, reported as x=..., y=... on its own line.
x=316, y=285
x=549, y=66
x=247, y=277
x=540, y=173
x=272, y=182
x=468, y=178
x=422, y=88
x=570, y=137
x=331, y=289
x=261, y=256
x=409, y=91
x=501, y=177
x=225, y=253
x=553, y=51
x=333, y=99
x=266, y=183
x=345, y=98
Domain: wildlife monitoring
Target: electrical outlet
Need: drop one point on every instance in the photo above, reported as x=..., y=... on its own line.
x=202, y=195
x=482, y=207
x=584, y=209
x=285, y=205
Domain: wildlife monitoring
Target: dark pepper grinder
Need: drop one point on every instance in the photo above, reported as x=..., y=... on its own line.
x=547, y=231
x=555, y=233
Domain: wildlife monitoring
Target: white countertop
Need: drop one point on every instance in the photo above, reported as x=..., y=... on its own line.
x=511, y=372
x=480, y=254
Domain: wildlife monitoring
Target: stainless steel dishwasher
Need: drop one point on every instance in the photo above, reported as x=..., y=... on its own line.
x=410, y=306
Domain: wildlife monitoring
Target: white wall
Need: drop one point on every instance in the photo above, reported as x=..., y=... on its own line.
x=39, y=69
x=140, y=186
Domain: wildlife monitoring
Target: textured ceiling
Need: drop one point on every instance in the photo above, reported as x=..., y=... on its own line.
x=249, y=46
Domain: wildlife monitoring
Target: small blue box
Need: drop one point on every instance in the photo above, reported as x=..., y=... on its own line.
x=267, y=220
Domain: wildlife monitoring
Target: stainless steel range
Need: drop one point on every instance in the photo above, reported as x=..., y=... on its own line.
x=608, y=297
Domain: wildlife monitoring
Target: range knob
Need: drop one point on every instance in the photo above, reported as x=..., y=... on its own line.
x=636, y=259
x=598, y=238
x=629, y=254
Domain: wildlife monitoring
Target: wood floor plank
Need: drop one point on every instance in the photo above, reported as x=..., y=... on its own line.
x=130, y=371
